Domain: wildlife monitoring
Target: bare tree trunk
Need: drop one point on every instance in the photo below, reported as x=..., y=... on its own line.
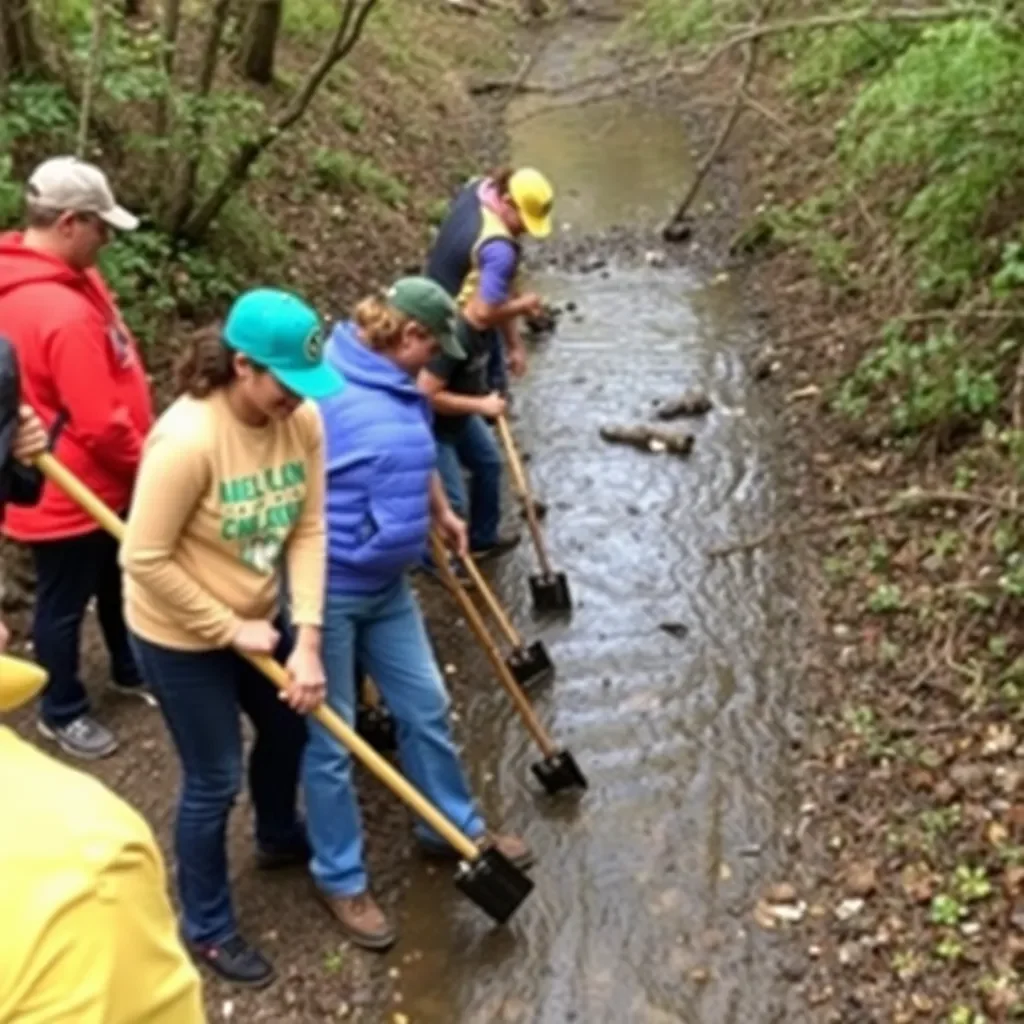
x=350, y=27
x=259, y=41
x=93, y=73
x=169, y=33
x=19, y=48
x=183, y=194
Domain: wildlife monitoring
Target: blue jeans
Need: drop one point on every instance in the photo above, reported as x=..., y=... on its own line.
x=385, y=630
x=200, y=694
x=474, y=448
x=68, y=573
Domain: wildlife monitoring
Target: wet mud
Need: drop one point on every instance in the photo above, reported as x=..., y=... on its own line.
x=673, y=670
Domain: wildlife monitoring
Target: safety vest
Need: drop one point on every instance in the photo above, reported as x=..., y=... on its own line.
x=454, y=258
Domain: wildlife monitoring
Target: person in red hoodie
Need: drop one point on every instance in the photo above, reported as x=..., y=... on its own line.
x=82, y=373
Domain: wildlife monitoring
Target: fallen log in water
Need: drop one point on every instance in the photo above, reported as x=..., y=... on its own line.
x=690, y=403
x=651, y=439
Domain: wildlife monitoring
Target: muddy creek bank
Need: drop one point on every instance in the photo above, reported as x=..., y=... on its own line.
x=673, y=679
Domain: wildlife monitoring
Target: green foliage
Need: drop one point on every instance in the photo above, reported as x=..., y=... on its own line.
x=154, y=282
x=337, y=170
x=941, y=380
x=951, y=110
x=671, y=22
x=40, y=112
x=824, y=61
x=1010, y=275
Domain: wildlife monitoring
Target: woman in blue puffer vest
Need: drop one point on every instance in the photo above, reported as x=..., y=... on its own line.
x=382, y=495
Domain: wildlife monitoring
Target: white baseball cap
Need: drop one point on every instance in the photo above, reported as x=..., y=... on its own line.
x=66, y=183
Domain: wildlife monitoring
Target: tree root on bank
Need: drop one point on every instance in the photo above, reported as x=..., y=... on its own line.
x=649, y=439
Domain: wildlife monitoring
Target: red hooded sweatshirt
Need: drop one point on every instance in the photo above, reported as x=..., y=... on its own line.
x=79, y=362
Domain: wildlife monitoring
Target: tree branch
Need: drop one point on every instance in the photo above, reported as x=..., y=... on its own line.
x=354, y=15
x=183, y=197
x=670, y=67
x=725, y=130
x=903, y=502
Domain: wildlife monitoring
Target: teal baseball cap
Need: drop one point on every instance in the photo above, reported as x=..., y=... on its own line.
x=281, y=333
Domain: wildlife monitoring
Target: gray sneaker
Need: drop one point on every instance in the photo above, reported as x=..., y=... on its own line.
x=84, y=738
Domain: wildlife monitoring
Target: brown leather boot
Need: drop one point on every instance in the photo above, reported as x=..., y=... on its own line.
x=361, y=919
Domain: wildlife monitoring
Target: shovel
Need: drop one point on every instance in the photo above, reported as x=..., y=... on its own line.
x=549, y=589
x=488, y=878
x=558, y=770
x=530, y=664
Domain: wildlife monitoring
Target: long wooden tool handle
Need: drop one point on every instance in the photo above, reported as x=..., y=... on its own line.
x=492, y=602
x=501, y=670
x=278, y=675
x=523, y=490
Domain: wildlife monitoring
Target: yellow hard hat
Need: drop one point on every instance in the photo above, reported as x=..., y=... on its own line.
x=533, y=195
x=20, y=681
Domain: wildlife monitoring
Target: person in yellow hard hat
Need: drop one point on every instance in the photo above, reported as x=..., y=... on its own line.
x=476, y=257
x=88, y=932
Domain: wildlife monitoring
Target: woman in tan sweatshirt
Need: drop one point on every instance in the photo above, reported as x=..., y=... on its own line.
x=229, y=493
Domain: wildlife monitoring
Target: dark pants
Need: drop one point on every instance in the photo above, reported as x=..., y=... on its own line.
x=201, y=694
x=497, y=366
x=68, y=574
x=472, y=447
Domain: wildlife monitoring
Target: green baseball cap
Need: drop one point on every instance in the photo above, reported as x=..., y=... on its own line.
x=430, y=305
x=278, y=331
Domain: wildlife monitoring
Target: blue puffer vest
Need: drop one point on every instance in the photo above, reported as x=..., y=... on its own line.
x=379, y=458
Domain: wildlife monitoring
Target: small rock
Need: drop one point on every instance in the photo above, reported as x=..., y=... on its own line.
x=782, y=892
x=1007, y=780
x=699, y=975
x=794, y=968
x=677, y=231
x=849, y=908
x=945, y=791
x=862, y=878
x=655, y=258
x=999, y=739
x=968, y=776
x=849, y=953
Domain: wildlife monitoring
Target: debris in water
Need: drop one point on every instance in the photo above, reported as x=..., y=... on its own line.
x=674, y=629
x=649, y=438
x=690, y=403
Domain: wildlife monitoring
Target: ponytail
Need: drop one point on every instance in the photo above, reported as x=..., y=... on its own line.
x=380, y=324
x=206, y=364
